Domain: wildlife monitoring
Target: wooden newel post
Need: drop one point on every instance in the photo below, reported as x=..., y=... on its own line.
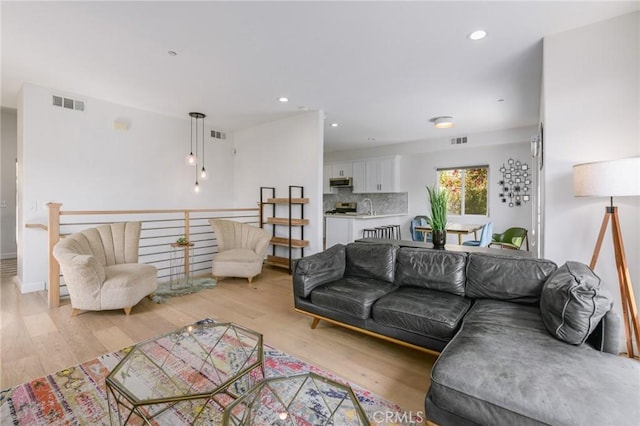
x=54, y=266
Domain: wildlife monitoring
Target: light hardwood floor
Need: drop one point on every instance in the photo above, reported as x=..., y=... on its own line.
x=36, y=340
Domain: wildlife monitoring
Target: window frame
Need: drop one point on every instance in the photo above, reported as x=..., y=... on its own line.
x=463, y=169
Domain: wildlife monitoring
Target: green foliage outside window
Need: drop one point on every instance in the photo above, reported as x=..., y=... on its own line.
x=467, y=190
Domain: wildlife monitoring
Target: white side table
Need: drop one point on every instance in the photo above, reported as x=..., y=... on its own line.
x=181, y=274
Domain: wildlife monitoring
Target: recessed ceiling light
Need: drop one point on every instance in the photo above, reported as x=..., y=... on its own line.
x=334, y=124
x=477, y=35
x=172, y=53
x=442, y=122
x=283, y=99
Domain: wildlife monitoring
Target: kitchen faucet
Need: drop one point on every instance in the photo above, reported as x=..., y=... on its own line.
x=370, y=205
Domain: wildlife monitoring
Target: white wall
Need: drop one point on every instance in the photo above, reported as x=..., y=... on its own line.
x=282, y=153
x=8, y=155
x=78, y=159
x=420, y=159
x=420, y=170
x=591, y=113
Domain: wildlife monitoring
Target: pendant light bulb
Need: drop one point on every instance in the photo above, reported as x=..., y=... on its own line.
x=191, y=159
x=196, y=188
x=203, y=174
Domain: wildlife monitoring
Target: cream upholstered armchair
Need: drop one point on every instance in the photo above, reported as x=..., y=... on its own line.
x=100, y=267
x=241, y=249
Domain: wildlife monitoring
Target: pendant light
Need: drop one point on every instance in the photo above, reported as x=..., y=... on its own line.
x=192, y=159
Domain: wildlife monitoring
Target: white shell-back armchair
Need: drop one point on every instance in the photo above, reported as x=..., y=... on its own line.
x=241, y=249
x=101, y=270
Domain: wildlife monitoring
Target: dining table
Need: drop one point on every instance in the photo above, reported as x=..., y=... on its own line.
x=459, y=229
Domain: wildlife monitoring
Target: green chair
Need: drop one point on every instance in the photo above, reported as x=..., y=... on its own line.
x=512, y=239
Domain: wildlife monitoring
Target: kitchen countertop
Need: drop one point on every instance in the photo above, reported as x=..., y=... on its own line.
x=364, y=216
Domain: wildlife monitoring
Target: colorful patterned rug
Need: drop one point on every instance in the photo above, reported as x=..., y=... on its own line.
x=77, y=395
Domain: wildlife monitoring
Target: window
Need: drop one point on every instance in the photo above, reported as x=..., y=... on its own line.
x=468, y=188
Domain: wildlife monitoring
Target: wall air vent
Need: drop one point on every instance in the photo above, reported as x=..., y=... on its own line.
x=218, y=135
x=459, y=141
x=68, y=103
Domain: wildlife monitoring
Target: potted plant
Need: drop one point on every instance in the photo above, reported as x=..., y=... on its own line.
x=439, y=200
x=182, y=241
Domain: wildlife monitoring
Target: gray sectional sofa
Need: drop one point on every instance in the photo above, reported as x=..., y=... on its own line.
x=520, y=341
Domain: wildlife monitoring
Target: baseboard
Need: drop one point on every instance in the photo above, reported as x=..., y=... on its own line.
x=10, y=255
x=31, y=287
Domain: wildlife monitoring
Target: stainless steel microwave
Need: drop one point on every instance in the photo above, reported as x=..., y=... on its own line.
x=341, y=182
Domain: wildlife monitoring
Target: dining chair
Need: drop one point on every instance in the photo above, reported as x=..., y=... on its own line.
x=485, y=237
x=416, y=235
x=512, y=239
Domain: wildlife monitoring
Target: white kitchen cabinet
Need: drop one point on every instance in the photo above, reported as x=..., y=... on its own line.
x=326, y=176
x=359, y=177
x=381, y=174
x=342, y=170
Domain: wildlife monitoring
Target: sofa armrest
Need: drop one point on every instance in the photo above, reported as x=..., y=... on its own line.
x=320, y=268
x=607, y=336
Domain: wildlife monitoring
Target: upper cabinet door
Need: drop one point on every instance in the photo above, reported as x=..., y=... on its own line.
x=326, y=175
x=381, y=174
x=342, y=170
x=388, y=175
x=359, y=177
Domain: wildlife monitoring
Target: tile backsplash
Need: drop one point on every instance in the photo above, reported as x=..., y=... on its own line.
x=383, y=203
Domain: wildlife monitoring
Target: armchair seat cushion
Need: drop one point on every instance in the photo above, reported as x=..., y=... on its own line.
x=241, y=249
x=431, y=313
x=353, y=296
x=240, y=255
x=127, y=284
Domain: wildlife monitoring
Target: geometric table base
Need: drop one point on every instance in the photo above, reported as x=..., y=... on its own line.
x=185, y=377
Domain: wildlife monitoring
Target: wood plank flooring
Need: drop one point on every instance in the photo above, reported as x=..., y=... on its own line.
x=36, y=340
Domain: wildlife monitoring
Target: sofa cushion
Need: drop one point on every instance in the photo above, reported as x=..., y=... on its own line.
x=573, y=302
x=371, y=261
x=321, y=268
x=505, y=278
x=503, y=367
x=419, y=310
x=239, y=255
x=353, y=295
x=432, y=269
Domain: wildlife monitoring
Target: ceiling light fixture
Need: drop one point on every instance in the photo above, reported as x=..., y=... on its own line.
x=283, y=99
x=334, y=124
x=442, y=122
x=192, y=159
x=477, y=35
x=172, y=53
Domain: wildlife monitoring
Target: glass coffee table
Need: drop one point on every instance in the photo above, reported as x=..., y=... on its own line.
x=305, y=399
x=185, y=377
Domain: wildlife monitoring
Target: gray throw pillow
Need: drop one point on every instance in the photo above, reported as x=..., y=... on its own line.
x=573, y=302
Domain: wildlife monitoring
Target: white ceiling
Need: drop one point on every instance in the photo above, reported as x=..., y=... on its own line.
x=379, y=69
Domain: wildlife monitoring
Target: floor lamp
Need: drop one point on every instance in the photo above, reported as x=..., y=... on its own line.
x=618, y=178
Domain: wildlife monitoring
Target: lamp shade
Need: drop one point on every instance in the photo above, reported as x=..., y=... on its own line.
x=616, y=178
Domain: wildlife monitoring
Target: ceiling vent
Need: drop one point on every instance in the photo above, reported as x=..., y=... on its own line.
x=459, y=141
x=68, y=103
x=218, y=135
